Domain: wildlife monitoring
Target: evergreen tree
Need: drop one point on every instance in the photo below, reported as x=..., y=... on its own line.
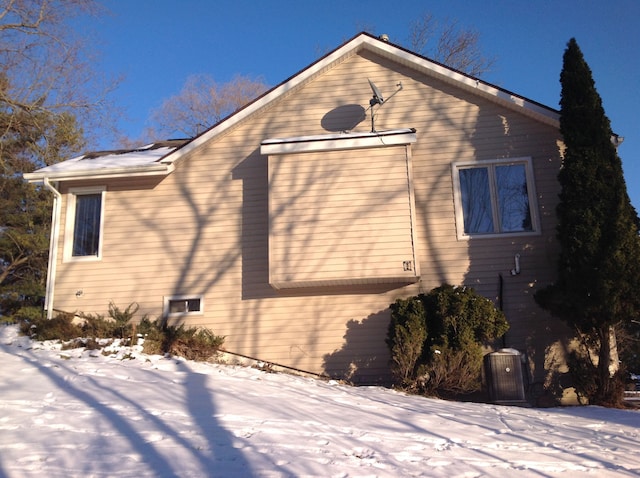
x=29, y=139
x=598, y=283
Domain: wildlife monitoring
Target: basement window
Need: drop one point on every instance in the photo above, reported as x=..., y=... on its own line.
x=182, y=305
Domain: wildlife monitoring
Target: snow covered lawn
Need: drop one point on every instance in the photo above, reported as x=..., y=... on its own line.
x=83, y=414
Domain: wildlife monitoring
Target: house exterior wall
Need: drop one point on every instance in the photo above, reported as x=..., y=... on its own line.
x=341, y=218
x=204, y=229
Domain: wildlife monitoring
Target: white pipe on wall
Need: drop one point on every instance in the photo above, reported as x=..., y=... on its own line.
x=53, y=247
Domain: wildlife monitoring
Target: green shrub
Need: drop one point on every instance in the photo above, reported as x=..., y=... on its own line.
x=436, y=346
x=61, y=327
x=122, y=319
x=119, y=324
x=451, y=371
x=405, y=338
x=459, y=315
x=153, y=336
x=191, y=343
x=27, y=313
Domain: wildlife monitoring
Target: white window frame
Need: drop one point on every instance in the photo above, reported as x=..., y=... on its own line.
x=531, y=191
x=173, y=298
x=71, y=220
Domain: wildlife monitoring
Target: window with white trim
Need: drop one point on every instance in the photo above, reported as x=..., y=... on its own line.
x=495, y=198
x=183, y=305
x=84, y=224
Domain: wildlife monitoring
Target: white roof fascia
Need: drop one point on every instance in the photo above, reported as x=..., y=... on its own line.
x=266, y=99
x=511, y=100
x=542, y=113
x=333, y=142
x=106, y=173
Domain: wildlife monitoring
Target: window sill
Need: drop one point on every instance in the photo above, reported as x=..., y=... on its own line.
x=498, y=235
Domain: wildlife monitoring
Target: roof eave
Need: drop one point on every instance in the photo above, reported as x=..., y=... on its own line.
x=469, y=83
x=349, y=48
x=506, y=98
x=106, y=173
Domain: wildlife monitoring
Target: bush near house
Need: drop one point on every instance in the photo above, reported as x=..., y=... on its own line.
x=436, y=340
x=191, y=343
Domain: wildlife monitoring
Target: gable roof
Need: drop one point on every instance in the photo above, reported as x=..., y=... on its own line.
x=164, y=159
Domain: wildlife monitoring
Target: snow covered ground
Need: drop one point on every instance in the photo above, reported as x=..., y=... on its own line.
x=83, y=414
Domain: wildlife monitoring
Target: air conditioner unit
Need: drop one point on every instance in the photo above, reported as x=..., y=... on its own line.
x=504, y=378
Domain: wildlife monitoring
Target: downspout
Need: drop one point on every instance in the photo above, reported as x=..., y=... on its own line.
x=501, y=305
x=53, y=247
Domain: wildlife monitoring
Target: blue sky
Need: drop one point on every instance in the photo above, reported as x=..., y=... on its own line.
x=156, y=44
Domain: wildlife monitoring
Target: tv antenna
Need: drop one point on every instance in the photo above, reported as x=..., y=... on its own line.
x=379, y=100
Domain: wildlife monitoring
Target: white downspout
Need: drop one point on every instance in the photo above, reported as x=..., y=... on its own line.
x=53, y=247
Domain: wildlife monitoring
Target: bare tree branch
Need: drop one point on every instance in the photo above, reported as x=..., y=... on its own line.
x=201, y=103
x=45, y=66
x=449, y=44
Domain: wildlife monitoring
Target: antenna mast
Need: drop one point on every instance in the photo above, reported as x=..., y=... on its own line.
x=378, y=99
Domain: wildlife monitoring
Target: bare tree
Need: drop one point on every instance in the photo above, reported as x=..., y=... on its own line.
x=47, y=85
x=47, y=67
x=201, y=103
x=450, y=44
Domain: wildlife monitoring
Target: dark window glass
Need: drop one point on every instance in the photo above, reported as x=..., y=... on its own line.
x=86, y=233
x=495, y=199
x=476, y=200
x=177, y=306
x=513, y=198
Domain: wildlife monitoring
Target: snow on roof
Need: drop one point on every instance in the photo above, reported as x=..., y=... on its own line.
x=143, y=159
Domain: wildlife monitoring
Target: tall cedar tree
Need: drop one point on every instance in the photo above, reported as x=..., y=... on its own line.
x=598, y=284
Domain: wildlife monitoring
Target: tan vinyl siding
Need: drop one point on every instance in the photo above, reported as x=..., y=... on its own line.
x=204, y=229
x=340, y=217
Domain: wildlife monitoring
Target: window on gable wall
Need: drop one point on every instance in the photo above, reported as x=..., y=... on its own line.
x=83, y=234
x=494, y=198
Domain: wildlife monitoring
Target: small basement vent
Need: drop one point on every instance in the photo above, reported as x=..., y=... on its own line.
x=503, y=373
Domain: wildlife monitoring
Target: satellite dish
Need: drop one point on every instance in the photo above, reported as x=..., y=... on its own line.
x=377, y=96
x=378, y=99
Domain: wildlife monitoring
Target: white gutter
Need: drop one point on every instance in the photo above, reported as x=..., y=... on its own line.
x=103, y=173
x=53, y=247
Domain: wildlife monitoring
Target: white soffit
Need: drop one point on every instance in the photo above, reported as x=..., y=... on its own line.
x=334, y=142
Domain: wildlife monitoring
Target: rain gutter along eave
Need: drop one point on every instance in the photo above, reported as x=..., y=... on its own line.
x=106, y=173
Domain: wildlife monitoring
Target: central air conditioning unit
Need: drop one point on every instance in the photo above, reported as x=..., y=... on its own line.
x=504, y=378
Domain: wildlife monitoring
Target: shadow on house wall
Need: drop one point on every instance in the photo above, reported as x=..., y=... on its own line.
x=360, y=339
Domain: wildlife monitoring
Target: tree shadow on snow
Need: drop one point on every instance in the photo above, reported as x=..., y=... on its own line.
x=229, y=462
x=223, y=457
